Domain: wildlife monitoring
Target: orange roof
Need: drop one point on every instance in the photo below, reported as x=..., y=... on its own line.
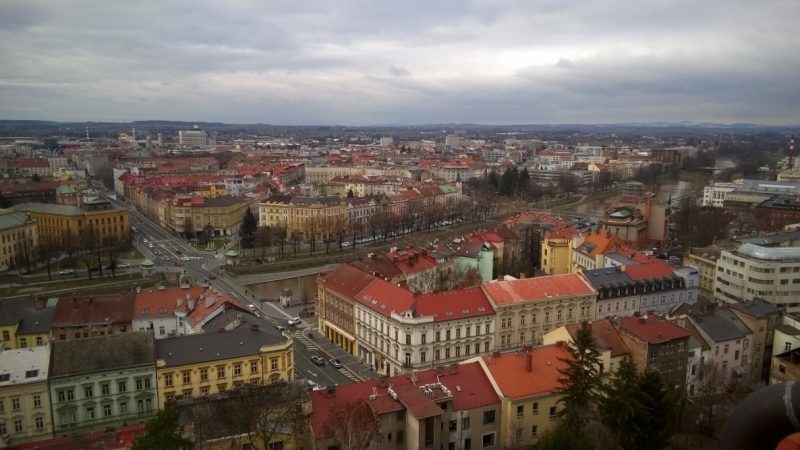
x=649, y=270
x=346, y=280
x=163, y=303
x=452, y=305
x=605, y=334
x=209, y=302
x=384, y=297
x=515, y=380
x=538, y=288
x=601, y=242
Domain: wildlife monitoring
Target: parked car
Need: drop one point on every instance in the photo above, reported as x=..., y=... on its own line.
x=280, y=328
x=335, y=363
x=123, y=265
x=312, y=384
x=67, y=272
x=294, y=321
x=316, y=359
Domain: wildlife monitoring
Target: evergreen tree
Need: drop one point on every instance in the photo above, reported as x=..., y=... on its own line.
x=523, y=180
x=657, y=423
x=561, y=438
x=162, y=432
x=247, y=229
x=493, y=181
x=623, y=406
x=580, y=380
x=350, y=193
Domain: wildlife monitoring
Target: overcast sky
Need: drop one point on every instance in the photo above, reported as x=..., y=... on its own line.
x=378, y=62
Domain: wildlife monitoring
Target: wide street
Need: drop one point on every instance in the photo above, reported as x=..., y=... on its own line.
x=203, y=268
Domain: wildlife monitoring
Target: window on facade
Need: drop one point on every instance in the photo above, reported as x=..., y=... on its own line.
x=105, y=389
x=186, y=377
x=220, y=372
x=488, y=440
x=123, y=407
x=488, y=417
x=204, y=374
x=15, y=404
x=553, y=412
x=253, y=367
x=424, y=338
x=88, y=391
x=90, y=412
x=168, y=380
x=39, y=422
x=273, y=363
x=106, y=410
x=447, y=353
x=422, y=356
x=237, y=370
x=535, y=408
x=534, y=432
x=37, y=401
x=18, y=426
x=520, y=410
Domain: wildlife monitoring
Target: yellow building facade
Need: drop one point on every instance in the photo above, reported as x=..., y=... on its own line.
x=18, y=235
x=25, y=412
x=210, y=363
x=54, y=223
x=556, y=255
x=25, y=323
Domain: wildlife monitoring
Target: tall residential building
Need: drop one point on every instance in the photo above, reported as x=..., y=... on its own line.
x=657, y=344
x=102, y=382
x=527, y=309
x=236, y=349
x=765, y=268
x=193, y=138
x=18, y=238
x=55, y=223
x=24, y=398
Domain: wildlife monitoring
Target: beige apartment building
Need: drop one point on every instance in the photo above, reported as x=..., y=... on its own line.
x=18, y=234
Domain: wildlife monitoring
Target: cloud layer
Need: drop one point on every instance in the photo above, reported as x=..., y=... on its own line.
x=378, y=62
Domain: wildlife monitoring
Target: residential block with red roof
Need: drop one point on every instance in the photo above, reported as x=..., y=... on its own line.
x=657, y=344
x=528, y=308
x=452, y=407
x=92, y=315
x=528, y=385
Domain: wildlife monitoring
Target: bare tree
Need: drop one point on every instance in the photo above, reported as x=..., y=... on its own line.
x=71, y=246
x=263, y=238
x=47, y=254
x=353, y=426
x=188, y=227
x=311, y=228
x=280, y=235
x=88, y=247
x=259, y=414
x=296, y=238
x=114, y=248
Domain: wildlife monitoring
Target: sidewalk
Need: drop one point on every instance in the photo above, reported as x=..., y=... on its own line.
x=355, y=369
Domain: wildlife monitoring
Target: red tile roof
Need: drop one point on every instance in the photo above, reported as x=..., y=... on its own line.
x=468, y=385
x=649, y=270
x=346, y=280
x=209, y=303
x=510, y=371
x=384, y=298
x=538, y=288
x=652, y=329
x=453, y=305
x=163, y=303
x=94, y=309
x=602, y=242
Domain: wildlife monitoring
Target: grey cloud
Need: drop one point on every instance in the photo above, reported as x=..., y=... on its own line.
x=398, y=71
x=475, y=60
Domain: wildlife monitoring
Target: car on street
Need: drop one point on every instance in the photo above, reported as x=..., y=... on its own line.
x=280, y=328
x=312, y=384
x=150, y=245
x=294, y=321
x=178, y=251
x=66, y=272
x=335, y=363
x=184, y=258
x=123, y=265
x=316, y=359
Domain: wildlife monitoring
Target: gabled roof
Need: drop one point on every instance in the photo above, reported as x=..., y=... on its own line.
x=102, y=353
x=469, y=388
x=212, y=345
x=31, y=317
x=756, y=308
x=721, y=325
x=652, y=329
x=163, y=303
x=600, y=242
x=384, y=298
x=452, y=305
x=538, y=288
x=510, y=371
x=346, y=280
x=650, y=271
x=605, y=334
x=94, y=309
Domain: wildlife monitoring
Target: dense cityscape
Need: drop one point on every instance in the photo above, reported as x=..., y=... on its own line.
x=446, y=278
x=368, y=225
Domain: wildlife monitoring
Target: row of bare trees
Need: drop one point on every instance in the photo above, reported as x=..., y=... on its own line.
x=332, y=232
x=96, y=254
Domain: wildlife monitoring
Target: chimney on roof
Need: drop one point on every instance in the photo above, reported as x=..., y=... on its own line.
x=190, y=304
x=642, y=319
x=178, y=301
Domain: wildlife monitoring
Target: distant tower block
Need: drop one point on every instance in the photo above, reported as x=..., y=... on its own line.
x=87, y=133
x=791, y=152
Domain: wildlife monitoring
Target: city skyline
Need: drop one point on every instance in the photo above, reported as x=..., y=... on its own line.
x=366, y=63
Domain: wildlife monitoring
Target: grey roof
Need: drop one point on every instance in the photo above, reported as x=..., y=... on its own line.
x=327, y=200
x=13, y=219
x=606, y=278
x=25, y=313
x=102, y=353
x=788, y=329
x=769, y=253
x=757, y=308
x=774, y=239
x=51, y=208
x=214, y=345
x=721, y=325
x=621, y=258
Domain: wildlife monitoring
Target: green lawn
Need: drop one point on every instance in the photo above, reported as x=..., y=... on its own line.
x=44, y=287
